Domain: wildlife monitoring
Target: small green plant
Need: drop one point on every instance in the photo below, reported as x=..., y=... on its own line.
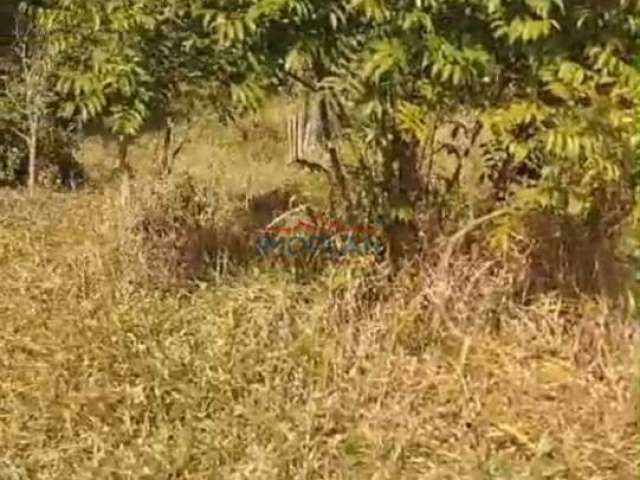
x=10, y=159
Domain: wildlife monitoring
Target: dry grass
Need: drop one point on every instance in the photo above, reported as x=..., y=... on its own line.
x=346, y=376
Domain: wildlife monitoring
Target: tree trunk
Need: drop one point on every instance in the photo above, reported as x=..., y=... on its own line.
x=33, y=153
x=336, y=166
x=402, y=234
x=410, y=182
x=166, y=160
x=123, y=155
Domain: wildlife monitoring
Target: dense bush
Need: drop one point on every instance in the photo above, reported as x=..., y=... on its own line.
x=539, y=96
x=58, y=167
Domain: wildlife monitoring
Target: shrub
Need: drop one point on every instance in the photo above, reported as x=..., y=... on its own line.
x=57, y=167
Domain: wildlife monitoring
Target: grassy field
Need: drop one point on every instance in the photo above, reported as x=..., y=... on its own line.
x=107, y=372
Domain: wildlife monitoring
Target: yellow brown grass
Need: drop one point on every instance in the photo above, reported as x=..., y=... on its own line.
x=436, y=375
x=109, y=368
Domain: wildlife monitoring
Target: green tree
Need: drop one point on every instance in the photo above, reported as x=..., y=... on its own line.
x=550, y=80
x=122, y=61
x=99, y=67
x=27, y=99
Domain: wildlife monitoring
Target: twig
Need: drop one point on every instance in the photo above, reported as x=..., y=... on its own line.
x=303, y=82
x=314, y=167
x=285, y=215
x=22, y=135
x=458, y=236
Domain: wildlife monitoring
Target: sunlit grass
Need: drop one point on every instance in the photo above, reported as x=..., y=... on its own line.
x=344, y=376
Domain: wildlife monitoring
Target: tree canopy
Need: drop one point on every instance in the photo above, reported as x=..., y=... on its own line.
x=552, y=81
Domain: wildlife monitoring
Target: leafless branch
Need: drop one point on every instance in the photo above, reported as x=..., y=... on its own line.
x=302, y=82
x=20, y=133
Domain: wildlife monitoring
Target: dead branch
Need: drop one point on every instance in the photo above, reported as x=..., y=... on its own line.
x=455, y=240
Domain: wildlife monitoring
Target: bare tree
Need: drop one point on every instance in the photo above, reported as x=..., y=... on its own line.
x=27, y=97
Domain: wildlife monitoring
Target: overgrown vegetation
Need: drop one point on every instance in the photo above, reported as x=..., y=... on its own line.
x=495, y=142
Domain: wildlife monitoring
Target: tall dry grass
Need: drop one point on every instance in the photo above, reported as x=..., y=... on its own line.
x=349, y=375
x=112, y=368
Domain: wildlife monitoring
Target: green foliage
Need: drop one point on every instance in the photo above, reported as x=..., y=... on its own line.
x=55, y=156
x=11, y=157
x=123, y=61
x=551, y=82
x=99, y=69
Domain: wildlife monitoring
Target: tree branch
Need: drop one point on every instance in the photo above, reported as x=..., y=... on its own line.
x=303, y=82
x=463, y=232
x=22, y=135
